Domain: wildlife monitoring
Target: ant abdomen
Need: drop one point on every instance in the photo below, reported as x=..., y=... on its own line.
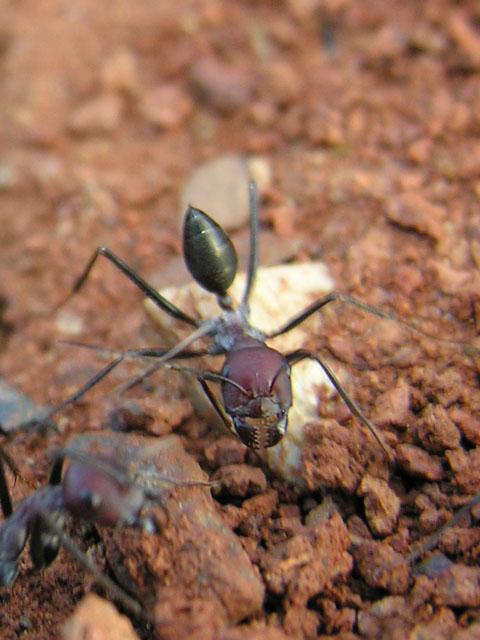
x=209, y=253
x=94, y=495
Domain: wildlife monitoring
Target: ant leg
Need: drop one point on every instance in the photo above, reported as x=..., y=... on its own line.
x=10, y=463
x=253, y=255
x=123, y=355
x=5, y=500
x=318, y=304
x=137, y=353
x=137, y=280
x=296, y=356
x=102, y=579
x=224, y=417
x=430, y=542
x=82, y=391
x=55, y=476
x=44, y=543
x=175, y=352
x=468, y=349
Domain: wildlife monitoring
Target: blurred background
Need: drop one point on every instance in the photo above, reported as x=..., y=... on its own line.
x=360, y=122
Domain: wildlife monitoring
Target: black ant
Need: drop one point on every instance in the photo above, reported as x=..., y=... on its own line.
x=255, y=379
x=93, y=488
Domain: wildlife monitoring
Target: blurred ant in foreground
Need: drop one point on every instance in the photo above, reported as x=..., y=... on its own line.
x=92, y=489
x=255, y=379
x=95, y=489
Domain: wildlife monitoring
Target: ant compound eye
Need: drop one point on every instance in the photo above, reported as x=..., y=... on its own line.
x=208, y=251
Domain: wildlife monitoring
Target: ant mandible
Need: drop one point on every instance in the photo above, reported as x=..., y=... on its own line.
x=255, y=379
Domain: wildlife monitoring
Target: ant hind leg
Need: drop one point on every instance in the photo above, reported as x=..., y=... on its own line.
x=297, y=356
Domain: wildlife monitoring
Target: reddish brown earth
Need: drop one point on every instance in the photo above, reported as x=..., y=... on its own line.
x=369, y=116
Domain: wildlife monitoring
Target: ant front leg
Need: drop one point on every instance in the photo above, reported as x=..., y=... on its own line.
x=5, y=500
x=123, y=355
x=15, y=530
x=44, y=538
x=297, y=356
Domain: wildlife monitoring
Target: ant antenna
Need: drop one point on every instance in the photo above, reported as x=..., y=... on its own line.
x=253, y=256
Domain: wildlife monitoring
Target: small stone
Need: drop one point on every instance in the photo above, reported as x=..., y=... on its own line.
x=382, y=506
x=220, y=188
x=383, y=567
x=413, y=211
x=420, y=150
x=461, y=162
x=434, y=565
x=417, y=462
x=436, y=430
x=69, y=324
x=264, y=504
x=120, y=72
x=98, y=115
x=17, y=409
x=220, y=85
x=440, y=626
x=166, y=106
x=240, y=480
x=305, y=563
x=336, y=456
x=465, y=35
x=392, y=407
x=457, y=540
x=451, y=280
x=465, y=467
x=458, y=586
x=224, y=451
x=285, y=84
x=99, y=619
x=468, y=424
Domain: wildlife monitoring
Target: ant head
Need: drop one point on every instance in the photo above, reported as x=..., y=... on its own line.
x=257, y=393
x=208, y=252
x=95, y=494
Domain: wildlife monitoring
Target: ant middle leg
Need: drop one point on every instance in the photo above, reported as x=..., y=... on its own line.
x=145, y=354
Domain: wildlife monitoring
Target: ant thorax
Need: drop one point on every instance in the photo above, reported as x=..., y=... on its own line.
x=229, y=328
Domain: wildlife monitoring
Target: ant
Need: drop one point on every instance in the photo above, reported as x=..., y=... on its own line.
x=93, y=488
x=255, y=379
